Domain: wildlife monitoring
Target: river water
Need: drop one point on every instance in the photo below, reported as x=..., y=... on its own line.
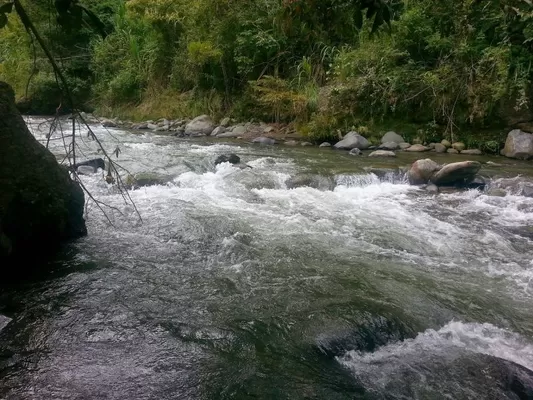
x=241, y=284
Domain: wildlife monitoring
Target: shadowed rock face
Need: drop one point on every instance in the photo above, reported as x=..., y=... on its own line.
x=40, y=206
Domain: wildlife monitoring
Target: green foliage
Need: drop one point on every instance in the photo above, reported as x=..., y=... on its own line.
x=452, y=62
x=446, y=66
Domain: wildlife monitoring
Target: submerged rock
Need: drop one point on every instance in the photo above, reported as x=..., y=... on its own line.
x=325, y=144
x=355, y=152
x=518, y=145
x=352, y=140
x=200, y=126
x=452, y=151
x=319, y=182
x=40, y=206
x=144, y=179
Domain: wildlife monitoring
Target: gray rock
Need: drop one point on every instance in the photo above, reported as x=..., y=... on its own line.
x=290, y=143
x=229, y=134
x=85, y=170
x=225, y=122
x=218, y=130
x=421, y=171
x=352, y=140
x=355, y=152
x=305, y=144
x=382, y=153
x=440, y=148
x=268, y=129
x=108, y=123
x=404, y=145
x=431, y=146
x=200, y=126
x=519, y=144
x=446, y=143
x=390, y=146
x=151, y=126
x=325, y=144
x=452, y=151
x=417, y=148
x=472, y=152
x=264, y=140
x=459, y=146
x=144, y=179
x=164, y=128
x=239, y=130
x=392, y=137
x=456, y=173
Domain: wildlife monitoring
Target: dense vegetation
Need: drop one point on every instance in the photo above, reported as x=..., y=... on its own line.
x=448, y=66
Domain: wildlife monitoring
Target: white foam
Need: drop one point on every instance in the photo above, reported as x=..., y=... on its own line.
x=472, y=337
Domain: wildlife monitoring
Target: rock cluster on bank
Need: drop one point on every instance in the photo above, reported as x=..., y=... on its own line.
x=519, y=144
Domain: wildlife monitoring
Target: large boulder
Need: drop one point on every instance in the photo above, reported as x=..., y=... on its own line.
x=519, y=145
x=392, y=137
x=458, y=173
x=353, y=140
x=40, y=205
x=421, y=171
x=200, y=126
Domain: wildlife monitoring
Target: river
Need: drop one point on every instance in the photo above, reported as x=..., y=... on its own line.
x=238, y=284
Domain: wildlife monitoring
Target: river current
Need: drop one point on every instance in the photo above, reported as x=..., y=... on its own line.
x=240, y=284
